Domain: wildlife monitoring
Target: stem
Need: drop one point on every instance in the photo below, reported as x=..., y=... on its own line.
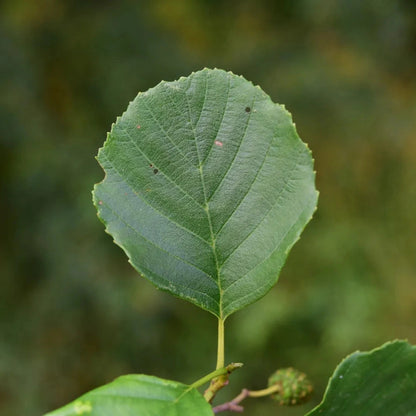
x=219, y=382
x=219, y=372
x=233, y=405
x=220, y=352
x=222, y=380
x=265, y=392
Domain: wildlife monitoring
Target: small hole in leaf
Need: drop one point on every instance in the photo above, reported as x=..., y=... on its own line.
x=155, y=171
x=248, y=109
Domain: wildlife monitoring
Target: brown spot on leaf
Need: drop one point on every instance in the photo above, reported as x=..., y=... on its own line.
x=138, y=126
x=155, y=171
x=218, y=143
x=100, y=202
x=248, y=109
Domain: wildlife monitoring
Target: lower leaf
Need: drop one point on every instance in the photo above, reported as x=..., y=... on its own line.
x=138, y=395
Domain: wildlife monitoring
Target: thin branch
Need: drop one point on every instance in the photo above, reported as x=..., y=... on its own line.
x=219, y=372
x=219, y=382
x=233, y=405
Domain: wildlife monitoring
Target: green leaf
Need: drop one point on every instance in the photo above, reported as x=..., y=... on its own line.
x=207, y=188
x=138, y=395
x=379, y=382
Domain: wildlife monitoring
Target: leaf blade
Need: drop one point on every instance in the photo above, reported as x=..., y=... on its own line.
x=199, y=175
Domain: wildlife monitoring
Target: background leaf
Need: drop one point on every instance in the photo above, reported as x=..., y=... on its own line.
x=379, y=382
x=134, y=395
x=207, y=188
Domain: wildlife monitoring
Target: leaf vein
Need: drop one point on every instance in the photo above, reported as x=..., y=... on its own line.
x=203, y=102
x=162, y=129
x=281, y=193
x=265, y=259
x=220, y=124
x=159, y=168
x=248, y=190
x=154, y=244
x=235, y=153
x=154, y=208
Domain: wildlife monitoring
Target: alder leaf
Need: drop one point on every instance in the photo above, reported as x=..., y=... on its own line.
x=207, y=188
x=379, y=382
x=138, y=395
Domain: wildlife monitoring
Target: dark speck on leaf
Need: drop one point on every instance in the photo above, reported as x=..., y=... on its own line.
x=155, y=171
x=248, y=109
x=151, y=165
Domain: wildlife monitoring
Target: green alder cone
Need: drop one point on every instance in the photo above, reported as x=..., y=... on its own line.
x=375, y=383
x=295, y=387
x=138, y=395
x=207, y=188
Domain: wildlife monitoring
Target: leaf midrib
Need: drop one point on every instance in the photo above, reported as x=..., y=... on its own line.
x=201, y=174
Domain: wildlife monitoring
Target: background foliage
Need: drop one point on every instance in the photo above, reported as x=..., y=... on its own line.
x=74, y=314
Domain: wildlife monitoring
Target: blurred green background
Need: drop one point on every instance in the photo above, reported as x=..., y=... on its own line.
x=74, y=314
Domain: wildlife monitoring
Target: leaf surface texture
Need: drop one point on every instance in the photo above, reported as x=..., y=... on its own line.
x=207, y=188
